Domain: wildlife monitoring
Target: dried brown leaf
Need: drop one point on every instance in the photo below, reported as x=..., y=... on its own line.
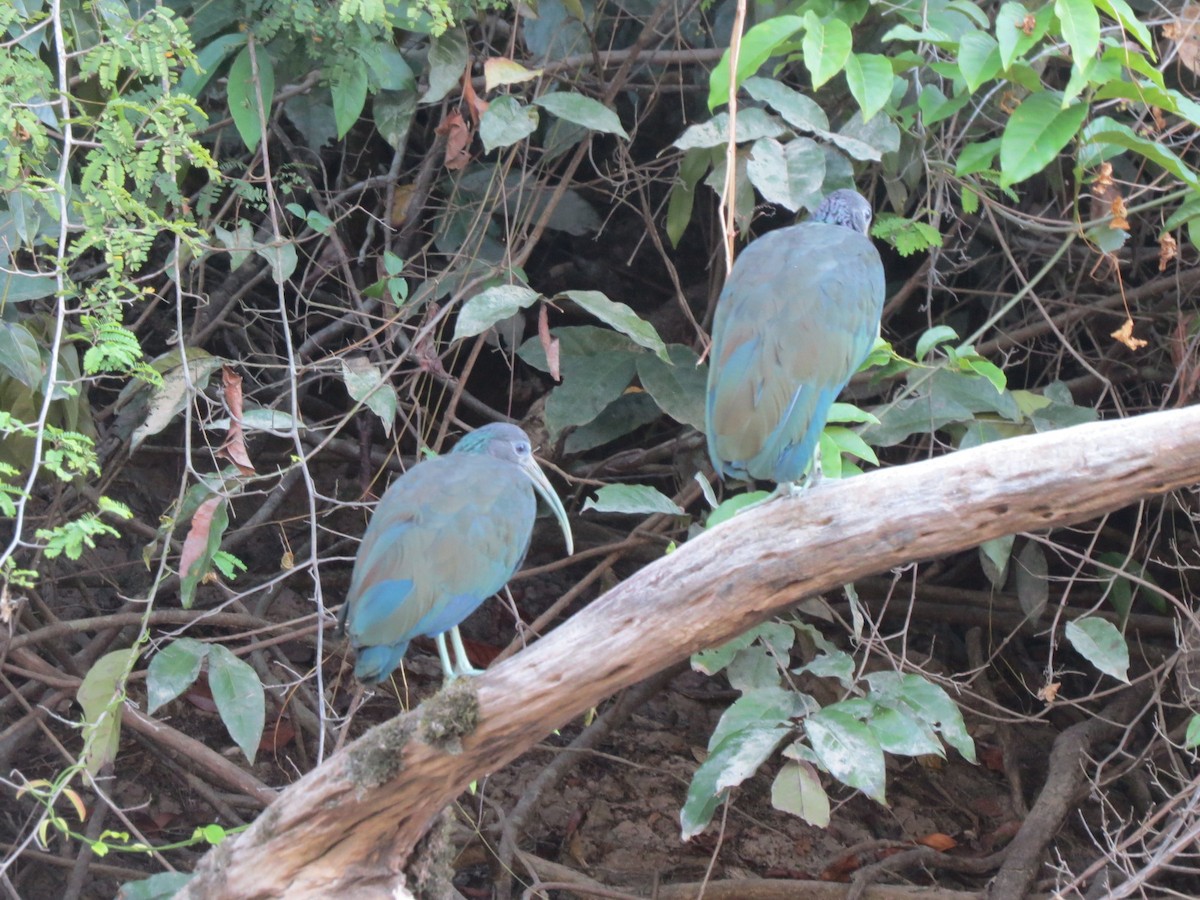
x=458, y=140
x=549, y=343
x=1168, y=249
x=1124, y=334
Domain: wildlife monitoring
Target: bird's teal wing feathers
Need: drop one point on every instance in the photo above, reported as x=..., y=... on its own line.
x=797, y=317
x=444, y=538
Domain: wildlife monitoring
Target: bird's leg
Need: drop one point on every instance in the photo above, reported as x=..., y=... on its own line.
x=815, y=473
x=460, y=652
x=444, y=656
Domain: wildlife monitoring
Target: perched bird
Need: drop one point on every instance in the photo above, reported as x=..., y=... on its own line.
x=446, y=535
x=798, y=315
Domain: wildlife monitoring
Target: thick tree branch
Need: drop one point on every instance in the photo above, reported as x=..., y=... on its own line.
x=352, y=824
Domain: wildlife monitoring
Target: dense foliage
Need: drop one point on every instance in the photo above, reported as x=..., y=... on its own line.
x=256, y=254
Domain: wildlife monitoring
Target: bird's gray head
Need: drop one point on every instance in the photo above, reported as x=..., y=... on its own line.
x=847, y=208
x=501, y=440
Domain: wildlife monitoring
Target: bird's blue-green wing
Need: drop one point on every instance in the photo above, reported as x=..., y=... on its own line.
x=798, y=315
x=445, y=537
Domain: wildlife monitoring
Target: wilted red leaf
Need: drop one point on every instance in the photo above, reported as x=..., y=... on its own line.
x=992, y=758
x=458, y=140
x=196, y=541
x=234, y=447
x=481, y=654
x=278, y=736
x=938, y=841
x=476, y=105
x=842, y=868
x=200, y=695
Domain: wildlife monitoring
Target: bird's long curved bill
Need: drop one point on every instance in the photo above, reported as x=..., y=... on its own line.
x=542, y=485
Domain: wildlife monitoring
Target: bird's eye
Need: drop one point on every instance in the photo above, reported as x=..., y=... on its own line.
x=521, y=447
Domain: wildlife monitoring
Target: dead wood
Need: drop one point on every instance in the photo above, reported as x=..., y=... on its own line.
x=350, y=826
x=1065, y=781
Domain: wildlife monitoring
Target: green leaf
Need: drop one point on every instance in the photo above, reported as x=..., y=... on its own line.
x=850, y=443
x=797, y=110
x=625, y=414
x=978, y=58
x=732, y=506
x=239, y=696
x=500, y=70
x=194, y=78
x=282, y=258
x=620, y=317
x=393, y=114
x=101, y=694
x=752, y=124
x=162, y=886
x=20, y=355
x=392, y=71
x=908, y=236
x=1191, y=737
x=879, y=136
x=844, y=413
x=173, y=670
x=677, y=387
x=985, y=367
x=748, y=733
x=714, y=659
x=683, y=192
x=826, y=48
x=632, y=499
x=797, y=790
x=1033, y=585
x=1011, y=34
x=168, y=399
x=1037, y=130
x=939, y=334
x=245, y=95
x=448, y=58
x=598, y=365
x=869, y=77
x=1108, y=131
x=994, y=556
x=349, y=92
x=976, y=157
x=1100, y=643
x=1081, y=28
x=365, y=384
x=1123, y=13
x=583, y=111
x=790, y=175
x=928, y=702
x=758, y=45
x=490, y=306
x=16, y=286
x=901, y=732
x=848, y=750
x=505, y=122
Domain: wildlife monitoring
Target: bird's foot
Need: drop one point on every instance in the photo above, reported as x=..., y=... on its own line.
x=462, y=667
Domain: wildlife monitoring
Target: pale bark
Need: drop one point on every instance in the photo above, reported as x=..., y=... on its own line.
x=350, y=826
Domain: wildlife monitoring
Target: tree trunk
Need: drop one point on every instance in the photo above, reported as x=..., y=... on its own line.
x=351, y=825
